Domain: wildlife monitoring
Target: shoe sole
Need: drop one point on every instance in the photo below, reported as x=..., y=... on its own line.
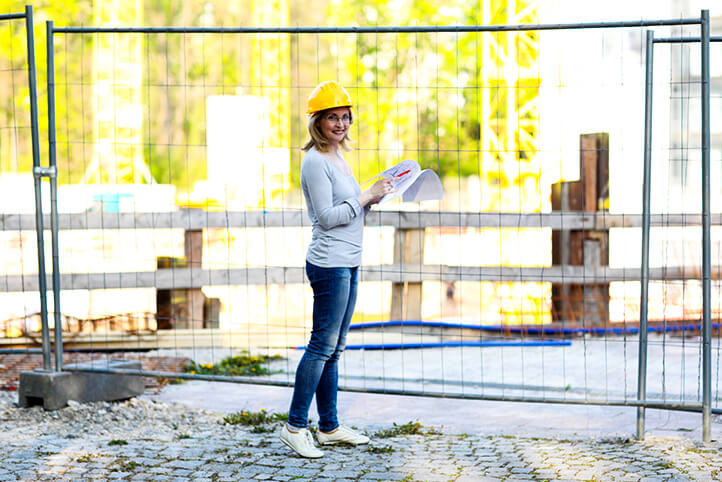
x=296, y=452
x=346, y=443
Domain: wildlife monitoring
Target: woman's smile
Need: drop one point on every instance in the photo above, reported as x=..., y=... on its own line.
x=335, y=124
x=339, y=132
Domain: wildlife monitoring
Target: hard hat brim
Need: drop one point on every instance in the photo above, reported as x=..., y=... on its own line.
x=311, y=112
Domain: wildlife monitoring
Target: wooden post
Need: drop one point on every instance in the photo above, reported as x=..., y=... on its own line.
x=182, y=308
x=409, y=252
x=193, y=244
x=168, y=302
x=573, y=301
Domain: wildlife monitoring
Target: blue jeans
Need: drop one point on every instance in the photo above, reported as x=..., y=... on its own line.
x=334, y=298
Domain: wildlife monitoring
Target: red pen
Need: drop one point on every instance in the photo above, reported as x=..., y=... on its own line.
x=405, y=172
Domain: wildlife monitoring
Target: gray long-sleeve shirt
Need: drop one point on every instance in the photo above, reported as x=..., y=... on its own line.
x=336, y=215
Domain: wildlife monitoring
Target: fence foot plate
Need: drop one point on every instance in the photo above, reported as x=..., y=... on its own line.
x=52, y=390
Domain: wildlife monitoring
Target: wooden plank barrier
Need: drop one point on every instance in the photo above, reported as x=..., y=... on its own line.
x=579, y=224
x=588, y=248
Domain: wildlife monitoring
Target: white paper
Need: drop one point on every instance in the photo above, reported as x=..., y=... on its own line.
x=416, y=185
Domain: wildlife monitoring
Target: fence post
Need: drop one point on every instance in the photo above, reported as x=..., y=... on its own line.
x=38, y=174
x=706, y=241
x=53, y=175
x=646, y=196
x=409, y=252
x=590, y=248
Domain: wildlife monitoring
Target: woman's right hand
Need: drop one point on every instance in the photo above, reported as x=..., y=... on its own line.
x=377, y=191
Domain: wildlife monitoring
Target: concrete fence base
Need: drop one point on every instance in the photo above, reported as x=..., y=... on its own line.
x=52, y=390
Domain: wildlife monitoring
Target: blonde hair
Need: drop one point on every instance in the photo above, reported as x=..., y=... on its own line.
x=318, y=140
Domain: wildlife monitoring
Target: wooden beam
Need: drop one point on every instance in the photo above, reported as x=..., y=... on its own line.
x=198, y=219
x=193, y=278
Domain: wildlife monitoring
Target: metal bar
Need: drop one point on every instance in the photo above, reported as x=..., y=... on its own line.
x=417, y=29
x=391, y=391
x=706, y=244
x=38, y=187
x=11, y=16
x=493, y=385
x=19, y=351
x=54, y=197
x=200, y=219
x=681, y=40
x=644, y=275
x=536, y=330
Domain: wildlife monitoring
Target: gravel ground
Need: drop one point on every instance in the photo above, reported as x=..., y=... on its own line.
x=144, y=439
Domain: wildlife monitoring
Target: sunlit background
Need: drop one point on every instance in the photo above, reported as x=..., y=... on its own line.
x=152, y=123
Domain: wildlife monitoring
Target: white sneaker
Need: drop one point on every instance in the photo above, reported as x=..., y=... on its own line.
x=342, y=434
x=300, y=442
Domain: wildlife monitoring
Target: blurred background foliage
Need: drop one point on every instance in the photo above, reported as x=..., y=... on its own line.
x=417, y=95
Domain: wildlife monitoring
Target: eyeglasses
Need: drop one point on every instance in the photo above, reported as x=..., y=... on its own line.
x=346, y=119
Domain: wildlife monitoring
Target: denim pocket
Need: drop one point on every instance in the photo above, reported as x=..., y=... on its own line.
x=316, y=273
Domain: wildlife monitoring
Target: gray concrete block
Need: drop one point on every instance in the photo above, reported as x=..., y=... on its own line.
x=52, y=390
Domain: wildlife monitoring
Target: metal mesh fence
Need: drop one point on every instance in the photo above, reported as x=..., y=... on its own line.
x=23, y=322
x=183, y=230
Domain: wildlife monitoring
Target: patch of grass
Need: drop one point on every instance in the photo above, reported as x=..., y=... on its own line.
x=240, y=365
x=83, y=459
x=182, y=436
x=700, y=450
x=221, y=450
x=380, y=449
x=682, y=429
x=431, y=432
x=664, y=465
x=280, y=417
x=261, y=429
x=117, y=441
x=128, y=465
x=408, y=478
x=258, y=420
x=410, y=428
x=249, y=418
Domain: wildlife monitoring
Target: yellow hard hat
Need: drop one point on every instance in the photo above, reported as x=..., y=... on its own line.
x=328, y=95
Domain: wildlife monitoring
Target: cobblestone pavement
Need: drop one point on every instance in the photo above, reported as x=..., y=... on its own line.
x=142, y=439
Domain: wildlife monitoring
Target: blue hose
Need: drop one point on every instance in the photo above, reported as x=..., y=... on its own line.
x=398, y=346
x=541, y=330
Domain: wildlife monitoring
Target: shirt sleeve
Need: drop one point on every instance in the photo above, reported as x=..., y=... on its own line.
x=320, y=196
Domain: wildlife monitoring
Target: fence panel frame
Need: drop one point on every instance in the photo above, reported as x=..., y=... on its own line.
x=704, y=40
x=641, y=403
x=38, y=173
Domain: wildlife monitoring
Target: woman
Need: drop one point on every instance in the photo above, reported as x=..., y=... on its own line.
x=337, y=208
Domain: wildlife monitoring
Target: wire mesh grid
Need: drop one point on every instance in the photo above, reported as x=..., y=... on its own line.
x=20, y=322
x=179, y=161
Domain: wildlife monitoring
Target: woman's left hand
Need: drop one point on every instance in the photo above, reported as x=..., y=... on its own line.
x=375, y=193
